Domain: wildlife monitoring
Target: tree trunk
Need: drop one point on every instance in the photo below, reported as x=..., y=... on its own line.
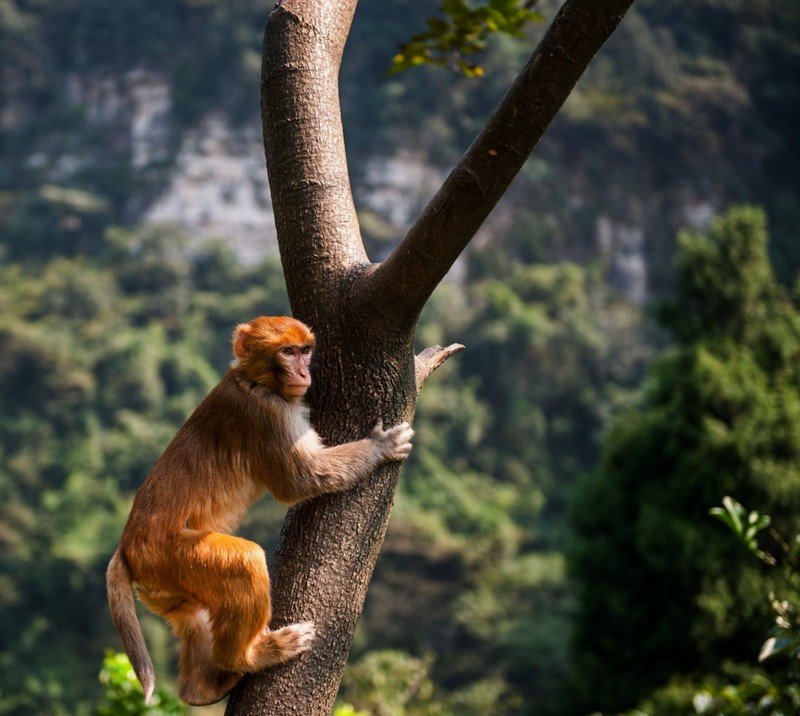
x=365, y=314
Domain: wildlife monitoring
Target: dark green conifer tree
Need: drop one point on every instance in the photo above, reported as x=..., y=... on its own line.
x=663, y=590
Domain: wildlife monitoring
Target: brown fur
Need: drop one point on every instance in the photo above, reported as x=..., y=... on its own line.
x=249, y=435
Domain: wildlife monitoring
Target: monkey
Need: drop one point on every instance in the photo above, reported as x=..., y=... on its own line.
x=249, y=435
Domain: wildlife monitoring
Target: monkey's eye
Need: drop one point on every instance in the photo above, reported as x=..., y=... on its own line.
x=305, y=350
x=288, y=351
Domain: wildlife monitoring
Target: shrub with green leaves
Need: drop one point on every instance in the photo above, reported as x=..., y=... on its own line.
x=124, y=695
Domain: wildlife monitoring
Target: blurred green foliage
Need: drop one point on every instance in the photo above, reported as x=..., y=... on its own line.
x=734, y=689
x=104, y=355
x=661, y=591
x=124, y=695
x=395, y=683
x=686, y=104
x=100, y=360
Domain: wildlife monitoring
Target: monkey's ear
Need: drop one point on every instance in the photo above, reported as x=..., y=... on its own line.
x=241, y=340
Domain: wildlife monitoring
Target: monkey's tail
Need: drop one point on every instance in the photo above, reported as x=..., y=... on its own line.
x=123, y=614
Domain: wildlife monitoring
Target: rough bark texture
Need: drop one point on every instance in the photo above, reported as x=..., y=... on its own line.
x=365, y=314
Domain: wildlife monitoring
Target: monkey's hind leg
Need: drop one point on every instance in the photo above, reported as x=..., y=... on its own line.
x=232, y=583
x=236, y=648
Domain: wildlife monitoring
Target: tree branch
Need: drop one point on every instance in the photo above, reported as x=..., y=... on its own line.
x=409, y=275
x=430, y=359
x=315, y=217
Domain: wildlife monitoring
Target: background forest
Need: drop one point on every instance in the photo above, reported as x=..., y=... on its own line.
x=632, y=345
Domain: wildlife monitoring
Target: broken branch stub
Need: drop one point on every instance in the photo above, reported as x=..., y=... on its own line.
x=431, y=358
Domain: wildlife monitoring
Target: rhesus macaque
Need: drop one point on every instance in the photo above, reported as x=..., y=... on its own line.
x=249, y=435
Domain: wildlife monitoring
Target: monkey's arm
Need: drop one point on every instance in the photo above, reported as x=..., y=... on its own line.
x=315, y=469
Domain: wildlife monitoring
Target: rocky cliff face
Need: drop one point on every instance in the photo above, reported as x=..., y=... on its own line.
x=210, y=181
x=218, y=188
x=125, y=116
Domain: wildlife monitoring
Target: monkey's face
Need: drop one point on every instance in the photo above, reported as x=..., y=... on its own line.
x=295, y=376
x=275, y=351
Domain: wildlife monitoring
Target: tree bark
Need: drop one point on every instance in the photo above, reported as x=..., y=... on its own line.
x=365, y=314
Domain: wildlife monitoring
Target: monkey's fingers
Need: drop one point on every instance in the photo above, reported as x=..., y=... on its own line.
x=400, y=436
x=402, y=432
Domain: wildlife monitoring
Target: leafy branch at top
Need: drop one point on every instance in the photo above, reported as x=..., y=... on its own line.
x=462, y=31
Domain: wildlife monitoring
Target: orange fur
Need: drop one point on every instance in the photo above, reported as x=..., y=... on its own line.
x=249, y=435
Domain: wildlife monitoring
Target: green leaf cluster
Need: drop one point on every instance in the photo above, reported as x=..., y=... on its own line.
x=124, y=695
x=737, y=689
x=461, y=30
x=744, y=525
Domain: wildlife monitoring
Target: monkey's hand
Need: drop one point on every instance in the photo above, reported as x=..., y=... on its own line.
x=394, y=443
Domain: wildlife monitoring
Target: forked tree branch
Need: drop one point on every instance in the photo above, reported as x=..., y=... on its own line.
x=365, y=314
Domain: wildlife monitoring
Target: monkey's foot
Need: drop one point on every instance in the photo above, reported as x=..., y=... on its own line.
x=285, y=643
x=209, y=687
